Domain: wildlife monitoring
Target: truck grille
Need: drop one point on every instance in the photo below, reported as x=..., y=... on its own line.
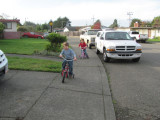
x=125, y=48
x=125, y=54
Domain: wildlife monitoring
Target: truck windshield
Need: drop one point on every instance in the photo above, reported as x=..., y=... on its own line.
x=135, y=32
x=117, y=36
x=92, y=32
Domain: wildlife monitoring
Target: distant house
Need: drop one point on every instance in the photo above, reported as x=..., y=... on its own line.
x=71, y=28
x=150, y=31
x=10, y=31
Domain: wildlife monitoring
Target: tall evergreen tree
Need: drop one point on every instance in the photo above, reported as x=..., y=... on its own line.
x=115, y=24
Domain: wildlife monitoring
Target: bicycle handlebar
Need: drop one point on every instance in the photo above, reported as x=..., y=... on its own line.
x=66, y=59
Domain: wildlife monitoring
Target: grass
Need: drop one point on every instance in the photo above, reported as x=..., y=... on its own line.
x=23, y=46
x=154, y=40
x=30, y=64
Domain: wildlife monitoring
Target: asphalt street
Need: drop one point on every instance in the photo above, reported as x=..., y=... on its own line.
x=135, y=86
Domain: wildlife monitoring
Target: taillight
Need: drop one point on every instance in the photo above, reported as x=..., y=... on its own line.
x=139, y=36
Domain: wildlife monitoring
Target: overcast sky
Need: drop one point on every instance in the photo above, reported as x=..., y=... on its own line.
x=80, y=12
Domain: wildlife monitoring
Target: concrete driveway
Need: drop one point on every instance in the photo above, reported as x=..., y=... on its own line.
x=31, y=95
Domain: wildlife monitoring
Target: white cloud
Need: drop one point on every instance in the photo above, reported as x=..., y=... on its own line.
x=80, y=13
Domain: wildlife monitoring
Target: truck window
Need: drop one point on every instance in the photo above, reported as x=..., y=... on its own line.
x=117, y=36
x=92, y=32
x=135, y=32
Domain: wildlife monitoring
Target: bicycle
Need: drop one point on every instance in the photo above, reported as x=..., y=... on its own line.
x=65, y=72
x=83, y=55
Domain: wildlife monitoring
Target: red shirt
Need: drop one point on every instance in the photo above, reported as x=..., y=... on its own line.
x=82, y=45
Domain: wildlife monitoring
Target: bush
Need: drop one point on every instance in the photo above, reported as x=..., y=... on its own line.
x=22, y=29
x=55, y=42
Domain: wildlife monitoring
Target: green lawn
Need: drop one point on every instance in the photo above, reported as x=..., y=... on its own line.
x=23, y=46
x=30, y=64
x=153, y=40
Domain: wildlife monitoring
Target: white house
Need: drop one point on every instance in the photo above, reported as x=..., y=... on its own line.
x=10, y=31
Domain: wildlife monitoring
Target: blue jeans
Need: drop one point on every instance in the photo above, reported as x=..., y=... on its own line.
x=85, y=52
x=70, y=63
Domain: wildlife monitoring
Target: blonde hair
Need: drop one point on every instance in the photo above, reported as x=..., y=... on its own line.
x=66, y=44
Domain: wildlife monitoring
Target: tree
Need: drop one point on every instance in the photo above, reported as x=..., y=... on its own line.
x=45, y=26
x=156, y=22
x=38, y=27
x=61, y=22
x=115, y=24
x=97, y=25
x=135, y=20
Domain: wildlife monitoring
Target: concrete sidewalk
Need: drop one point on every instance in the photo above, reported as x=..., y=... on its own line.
x=87, y=97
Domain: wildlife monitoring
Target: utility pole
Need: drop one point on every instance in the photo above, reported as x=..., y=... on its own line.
x=129, y=14
x=93, y=19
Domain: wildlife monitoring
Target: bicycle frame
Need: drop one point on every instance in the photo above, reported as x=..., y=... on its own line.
x=65, y=72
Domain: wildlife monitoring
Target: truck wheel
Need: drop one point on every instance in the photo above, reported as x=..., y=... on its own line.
x=97, y=51
x=89, y=46
x=136, y=60
x=105, y=57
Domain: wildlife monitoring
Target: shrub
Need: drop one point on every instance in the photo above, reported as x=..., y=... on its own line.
x=1, y=27
x=22, y=29
x=55, y=42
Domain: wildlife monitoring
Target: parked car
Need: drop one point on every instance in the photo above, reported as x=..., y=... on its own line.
x=32, y=35
x=45, y=35
x=138, y=37
x=117, y=45
x=3, y=64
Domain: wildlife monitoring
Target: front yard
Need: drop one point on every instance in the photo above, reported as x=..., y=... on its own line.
x=25, y=46
x=28, y=46
x=30, y=64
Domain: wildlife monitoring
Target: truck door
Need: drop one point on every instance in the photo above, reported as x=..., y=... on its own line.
x=101, y=41
x=98, y=40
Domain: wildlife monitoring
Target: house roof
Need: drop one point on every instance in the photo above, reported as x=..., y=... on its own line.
x=74, y=28
x=10, y=20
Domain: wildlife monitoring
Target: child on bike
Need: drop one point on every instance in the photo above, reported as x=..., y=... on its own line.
x=83, y=46
x=68, y=54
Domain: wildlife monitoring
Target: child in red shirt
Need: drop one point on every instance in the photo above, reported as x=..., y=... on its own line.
x=83, y=46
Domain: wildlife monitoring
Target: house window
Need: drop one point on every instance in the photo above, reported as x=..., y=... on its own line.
x=8, y=25
x=158, y=30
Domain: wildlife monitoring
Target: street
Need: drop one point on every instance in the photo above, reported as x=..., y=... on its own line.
x=135, y=86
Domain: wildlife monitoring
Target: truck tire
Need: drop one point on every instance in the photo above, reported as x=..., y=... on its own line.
x=97, y=51
x=105, y=57
x=89, y=46
x=136, y=59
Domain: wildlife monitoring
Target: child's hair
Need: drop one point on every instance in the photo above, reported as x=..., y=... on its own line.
x=66, y=44
x=82, y=40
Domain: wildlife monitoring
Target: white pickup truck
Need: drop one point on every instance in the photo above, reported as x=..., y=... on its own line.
x=138, y=37
x=3, y=64
x=89, y=37
x=117, y=45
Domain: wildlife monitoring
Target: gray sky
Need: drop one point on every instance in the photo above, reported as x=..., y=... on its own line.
x=80, y=12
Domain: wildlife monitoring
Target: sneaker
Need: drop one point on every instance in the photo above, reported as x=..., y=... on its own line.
x=70, y=76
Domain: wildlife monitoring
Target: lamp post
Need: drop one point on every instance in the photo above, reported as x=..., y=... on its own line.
x=51, y=24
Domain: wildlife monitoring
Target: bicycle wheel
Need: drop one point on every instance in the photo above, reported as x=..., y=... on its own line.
x=64, y=75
